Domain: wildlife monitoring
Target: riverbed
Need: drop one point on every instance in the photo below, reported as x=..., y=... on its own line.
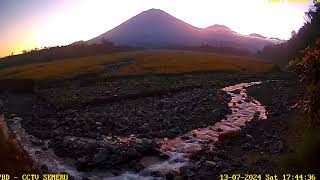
x=177, y=150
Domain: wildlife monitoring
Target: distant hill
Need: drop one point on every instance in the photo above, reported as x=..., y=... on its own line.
x=155, y=28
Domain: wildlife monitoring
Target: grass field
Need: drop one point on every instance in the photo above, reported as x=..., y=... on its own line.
x=151, y=61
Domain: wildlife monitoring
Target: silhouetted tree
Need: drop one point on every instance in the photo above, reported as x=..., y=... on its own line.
x=307, y=61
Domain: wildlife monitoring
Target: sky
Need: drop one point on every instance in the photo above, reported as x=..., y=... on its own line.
x=29, y=24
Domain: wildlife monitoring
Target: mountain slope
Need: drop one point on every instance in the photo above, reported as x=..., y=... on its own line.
x=156, y=28
x=151, y=28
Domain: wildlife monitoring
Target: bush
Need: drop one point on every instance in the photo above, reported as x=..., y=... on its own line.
x=308, y=67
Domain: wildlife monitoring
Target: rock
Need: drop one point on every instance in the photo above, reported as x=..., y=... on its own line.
x=82, y=165
x=145, y=127
x=16, y=119
x=228, y=134
x=217, y=114
x=99, y=128
x=267, y=135
x=125, y=118
x=226, y=171
x=147, y=146
x=115, y=172
x=236, y=91
x=133, y=154
x=109, y=138
x=172, y=133
x=164, y=156
x=139, y=167
x=171, y=175
x=256, y=115
x=219, y=129
x=221, y=153
x=11, y=116
x=98, y=123
x=249, y=136
x=210, y=164
x=185, y=137
x=247, y=99
x=176, y=160
x=101, y=156
x=132, y=164
x=161, y=104
x=184, y=169
x=44, y=168
x=36, y=141
x=246, y=146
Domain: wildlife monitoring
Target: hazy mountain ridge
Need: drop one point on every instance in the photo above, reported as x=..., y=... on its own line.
x=156, y=28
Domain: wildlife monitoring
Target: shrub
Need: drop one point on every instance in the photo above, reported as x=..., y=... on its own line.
x=308, y=67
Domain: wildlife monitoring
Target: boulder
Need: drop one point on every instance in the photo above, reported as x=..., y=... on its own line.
x=101, y=156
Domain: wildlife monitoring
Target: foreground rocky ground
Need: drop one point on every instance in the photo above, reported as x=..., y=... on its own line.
x=261, y=145
x=83, y=117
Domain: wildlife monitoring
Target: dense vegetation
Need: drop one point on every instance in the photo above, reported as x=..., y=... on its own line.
x=308, y=67
x=306, y=60
x=303, y=50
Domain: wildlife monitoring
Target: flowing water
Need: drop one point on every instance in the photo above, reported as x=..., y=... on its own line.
x=178, y=149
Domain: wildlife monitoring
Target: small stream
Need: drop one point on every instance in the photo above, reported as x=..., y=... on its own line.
x=178, y=150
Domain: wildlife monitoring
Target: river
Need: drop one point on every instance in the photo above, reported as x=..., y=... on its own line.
x=178, y=150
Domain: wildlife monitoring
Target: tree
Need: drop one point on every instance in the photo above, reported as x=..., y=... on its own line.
x=307, y=64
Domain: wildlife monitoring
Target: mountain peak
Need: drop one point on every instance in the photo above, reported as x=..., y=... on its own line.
x=155, y=28
x=257, y=35
x=154, y=11
x=219, y=27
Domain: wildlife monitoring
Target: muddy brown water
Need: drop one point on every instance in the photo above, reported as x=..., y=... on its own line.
x=178, y=149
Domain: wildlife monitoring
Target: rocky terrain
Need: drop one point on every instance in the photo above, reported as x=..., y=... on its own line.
x=113, y=123
x=260, y=146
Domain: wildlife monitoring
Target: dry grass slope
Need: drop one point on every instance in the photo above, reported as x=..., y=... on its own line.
x=152, y=61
